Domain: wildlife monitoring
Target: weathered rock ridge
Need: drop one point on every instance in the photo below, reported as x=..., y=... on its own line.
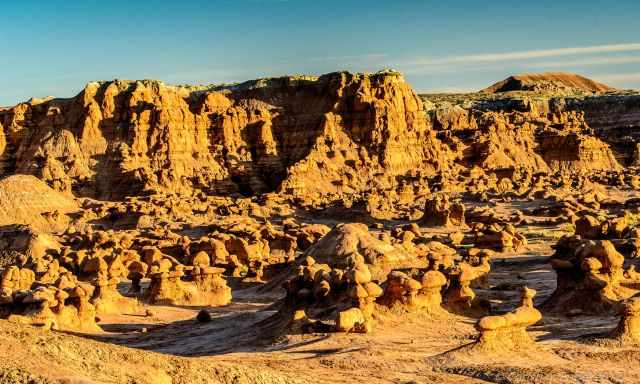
x=539, y=131
x=311, y=138
x=336, y=133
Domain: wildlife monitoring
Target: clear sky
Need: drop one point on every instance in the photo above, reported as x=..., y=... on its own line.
x=54, y=47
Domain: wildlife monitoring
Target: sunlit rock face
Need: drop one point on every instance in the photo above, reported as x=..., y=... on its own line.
x=307, y=136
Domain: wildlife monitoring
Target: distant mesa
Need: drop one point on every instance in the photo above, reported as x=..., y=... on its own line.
x=548, y=81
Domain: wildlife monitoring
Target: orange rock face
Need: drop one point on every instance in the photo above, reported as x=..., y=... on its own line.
x=315, y=139
x=307, y=136
x=544, y=134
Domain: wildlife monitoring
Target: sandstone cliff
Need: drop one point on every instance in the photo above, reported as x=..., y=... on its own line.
x=539, y=130
x=308, y=136
x=311, y=138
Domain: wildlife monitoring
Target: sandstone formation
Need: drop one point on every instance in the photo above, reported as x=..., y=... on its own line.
x=364, y=133
x=311, y=137
x=56, y=309
x=500, y=238
x=628, y=329
x=208, y=287
x=345, y=203
x=320, y=295
x=321, y=298
x=438, y=211
x=345, y=240
x=589, y=275
x=459, y=296
x=540, y=129
x=419, y=293
x=509, y=332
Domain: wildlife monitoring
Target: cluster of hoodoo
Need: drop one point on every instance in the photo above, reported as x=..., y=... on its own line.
x=321, y=297
x=589, y=276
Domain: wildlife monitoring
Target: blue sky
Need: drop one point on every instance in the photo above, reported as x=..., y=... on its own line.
x=54, y=47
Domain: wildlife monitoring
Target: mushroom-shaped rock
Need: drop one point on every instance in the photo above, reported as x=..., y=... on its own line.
x=509, y=332
x=373, y=289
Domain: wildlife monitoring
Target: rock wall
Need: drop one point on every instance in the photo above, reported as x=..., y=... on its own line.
x=577, y=152
x=312, y=138
x=308, y=136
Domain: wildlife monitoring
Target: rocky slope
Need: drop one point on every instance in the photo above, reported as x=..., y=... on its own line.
x=26, y=200
x=311, y=138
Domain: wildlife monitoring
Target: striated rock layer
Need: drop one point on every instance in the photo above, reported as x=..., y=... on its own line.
x=307, y=136
x=540, y=131
x=315, y=139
